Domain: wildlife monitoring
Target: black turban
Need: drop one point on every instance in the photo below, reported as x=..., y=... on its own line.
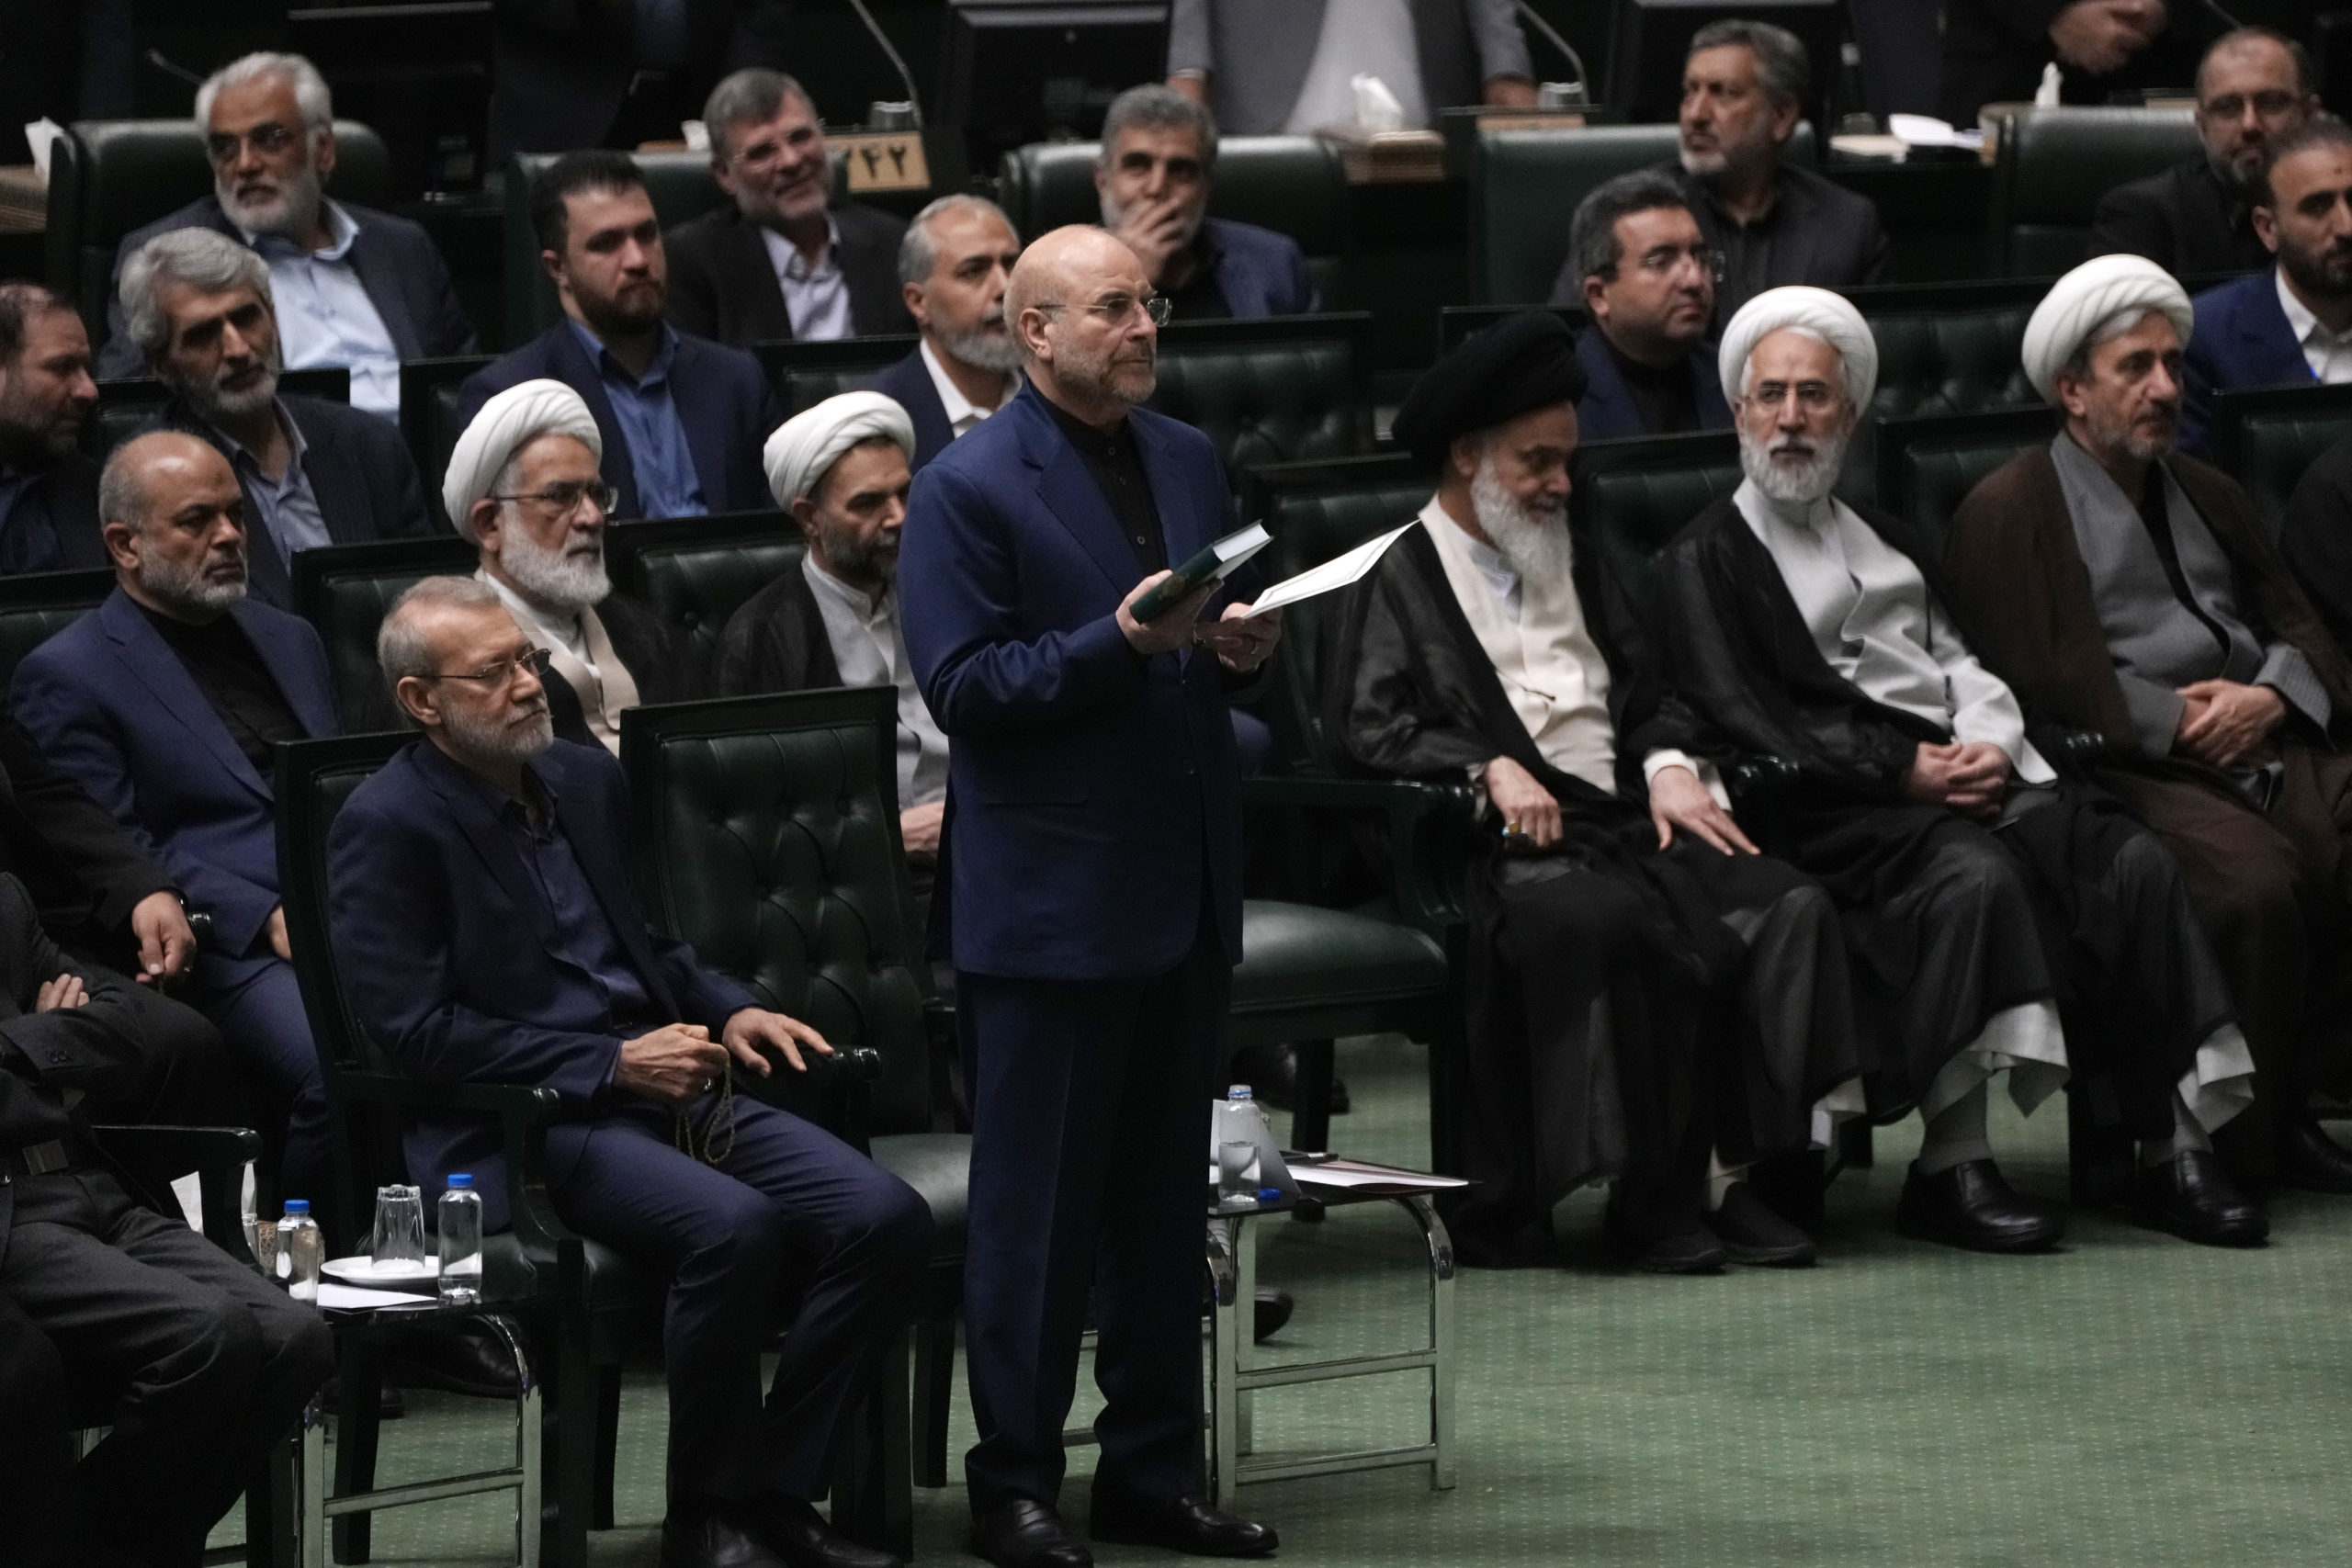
x=1522, y=362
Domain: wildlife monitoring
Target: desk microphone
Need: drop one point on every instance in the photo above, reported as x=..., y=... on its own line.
x=907, y=77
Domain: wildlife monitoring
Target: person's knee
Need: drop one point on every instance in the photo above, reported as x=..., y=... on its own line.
x=301, y=1350
x=220, y=1340
x=901, y=1222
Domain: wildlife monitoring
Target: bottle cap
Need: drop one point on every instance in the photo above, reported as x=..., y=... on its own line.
x=459, y=1178
x=298, y=1205
x=1269, y=1194
x=1238, y=1092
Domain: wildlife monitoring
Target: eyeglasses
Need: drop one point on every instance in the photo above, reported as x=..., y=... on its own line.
x=499, y=676
x=562, y=500
x=1666, y=258
x=1116, y=308
x=268, y=138
x=2269, y=105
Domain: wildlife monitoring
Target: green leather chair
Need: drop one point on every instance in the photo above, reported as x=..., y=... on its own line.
x=429, y=419
x=124, y=406
x=1525, y=188
x=1927, y=466
x=111, y=177
x=344, y=592
x=2054, y=164
x=694, y=573
x=1630, y=497
x=1283, y=388
x=806, y=374
x=1289, y=184
x=36, y=606
x=2265, y=437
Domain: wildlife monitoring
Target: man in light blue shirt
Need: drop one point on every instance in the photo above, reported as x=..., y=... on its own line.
x=666, y=483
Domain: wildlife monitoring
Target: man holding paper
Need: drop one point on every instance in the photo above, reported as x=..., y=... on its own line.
x=1090, y=898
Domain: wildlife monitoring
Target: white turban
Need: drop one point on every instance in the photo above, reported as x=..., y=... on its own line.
x=1830, y=317
x=507, y=423
x=806, y=445
x=2086, y=300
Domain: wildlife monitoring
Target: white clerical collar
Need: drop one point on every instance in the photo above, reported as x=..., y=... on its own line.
x=1493, y=567
x=1816, y=516
x=952, y=399
x=2307, y=327
x=869, y=610
x=341, y=232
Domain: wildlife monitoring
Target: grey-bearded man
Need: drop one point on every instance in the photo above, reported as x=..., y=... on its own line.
x=1999, y=915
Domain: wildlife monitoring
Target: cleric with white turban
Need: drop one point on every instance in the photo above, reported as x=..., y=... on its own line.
x=1829, y=317
x=507, y=423
x=806, y=446
x=2086, y=300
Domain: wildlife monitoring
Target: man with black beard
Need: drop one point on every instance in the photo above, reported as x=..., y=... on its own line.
x=954, y=264
x=355, y=287
x=2291, y=324
x=49, y=492
x=314, y=471
x=2000, y=916
x=1652, y=1002
x=523, y=485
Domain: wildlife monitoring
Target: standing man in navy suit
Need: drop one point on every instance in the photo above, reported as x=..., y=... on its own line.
x=2293, y=322
x=954, y=266
x=163, y=703
x=683, y=418
x=1090, y=902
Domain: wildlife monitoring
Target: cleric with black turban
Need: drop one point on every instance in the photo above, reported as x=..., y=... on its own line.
x=1652, y=1002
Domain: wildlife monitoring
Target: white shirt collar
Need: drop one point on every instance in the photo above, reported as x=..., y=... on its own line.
x=341, y=232
x=1492, y=566
x=961, y=410
x=2306, y=327
x=872, y=611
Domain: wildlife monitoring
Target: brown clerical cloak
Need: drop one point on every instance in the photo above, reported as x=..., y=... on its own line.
x=2270, y=885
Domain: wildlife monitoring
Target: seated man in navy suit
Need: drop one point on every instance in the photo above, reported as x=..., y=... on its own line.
x=1153, y=175
x=314, y=471
x=164, y=702
x=2293, y=322
x=1642, y=266
x=49, y=492
x=682, y=417
x=356, y=286
x=481, y=904
x=953, y=266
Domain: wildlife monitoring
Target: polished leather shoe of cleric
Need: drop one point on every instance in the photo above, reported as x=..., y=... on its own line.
x=2194, y=1198
x=1973, y=1205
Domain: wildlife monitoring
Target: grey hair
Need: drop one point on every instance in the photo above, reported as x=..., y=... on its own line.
x=122, y=497
x=754, y=93
x=401, y=648
x=917, y=255
x=1592, y=232
x=1154, y=107
x=2078, y=364
x=1781, y=63
x=311, y=94
x=197, y=257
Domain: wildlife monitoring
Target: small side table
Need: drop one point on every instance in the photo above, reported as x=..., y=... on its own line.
x=357, y=1329
x=1233, y=1271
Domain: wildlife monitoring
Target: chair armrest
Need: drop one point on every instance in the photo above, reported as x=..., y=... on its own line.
x=1422, y=821
x=950, y=1111
x=1758, y=776
x=2078, y=748
x=158, y=1155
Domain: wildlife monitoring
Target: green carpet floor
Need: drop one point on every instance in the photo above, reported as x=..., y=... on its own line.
x=2129, y=1401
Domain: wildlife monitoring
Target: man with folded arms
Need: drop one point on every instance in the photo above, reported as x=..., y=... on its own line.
x=2120, y=588
x=1652, y=1003
x=2000, y=916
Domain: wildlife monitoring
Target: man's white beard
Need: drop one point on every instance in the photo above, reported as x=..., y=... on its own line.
x=493, y=744
x=217, y=406
x=292, y=214
x=189, y=589
x=983, y=349
x=570, y=580
x=1534, y=539
x=1801, y=483
x=1703, y=165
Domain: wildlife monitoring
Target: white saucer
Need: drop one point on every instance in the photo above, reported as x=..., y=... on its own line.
x=365, y=1271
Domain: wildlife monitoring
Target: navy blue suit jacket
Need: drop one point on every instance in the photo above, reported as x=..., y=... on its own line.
x=398, y=264
x=1092, y=794
x=2242, y=340
x=909, y=384
x=1260, y=272
x=1607, y=410
x=725, y=404
x=442, y=934
x=114, y=708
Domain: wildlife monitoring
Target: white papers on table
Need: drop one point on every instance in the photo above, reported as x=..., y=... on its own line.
x=1926, y=131
x=1356, y=1174
x=1337, y=572
x=351, y=1298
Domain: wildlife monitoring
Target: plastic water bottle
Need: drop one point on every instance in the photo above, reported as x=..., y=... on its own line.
x=1237, y=1126
x=301, y=1251
x=461, y=1241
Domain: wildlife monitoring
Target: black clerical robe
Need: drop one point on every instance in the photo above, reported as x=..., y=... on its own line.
x=1950, y=921
x=1629, y=1009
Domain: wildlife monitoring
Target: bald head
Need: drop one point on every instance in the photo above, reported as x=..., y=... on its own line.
x=174, y=522
x=1075, y=302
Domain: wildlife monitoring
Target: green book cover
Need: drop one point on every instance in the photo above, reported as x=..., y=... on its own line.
x=1215, y=563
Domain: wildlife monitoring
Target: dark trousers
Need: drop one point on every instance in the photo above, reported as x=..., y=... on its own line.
x=792, y=1230
x=1090, y=1144
x=263, y=1018
x=198, y=1364
x=34, y=1454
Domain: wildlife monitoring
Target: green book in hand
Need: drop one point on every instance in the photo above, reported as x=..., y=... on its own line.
x=1214, y=564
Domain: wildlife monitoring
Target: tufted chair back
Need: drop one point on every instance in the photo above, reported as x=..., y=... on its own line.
x=695, y=572
x=1633, y=497
x=429, y=419
x=2054, y=164
x=344, y=592
x=766, y=833
x=806, y=374
x=2266, y=438
x=1927, y=466
x=124, y=406
x=35, y=608
x=1279, y=389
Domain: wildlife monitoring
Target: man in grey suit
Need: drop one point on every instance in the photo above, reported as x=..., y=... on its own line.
x=1268, y=66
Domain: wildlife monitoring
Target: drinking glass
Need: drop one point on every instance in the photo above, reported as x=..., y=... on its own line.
x=400, y=1229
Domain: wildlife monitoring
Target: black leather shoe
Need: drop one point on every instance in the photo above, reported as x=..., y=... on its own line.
x=1971, y=1205
x=457, y=1356
x=2311, y=1160
x=703, y=1536
x=1755, y=1236
x=1183, y=1524
x=1022, y=1533
x=2194, y=1198
x=1694, y=1251
x=1272, y=1073
x=1268, y=1310
x=795, y=1532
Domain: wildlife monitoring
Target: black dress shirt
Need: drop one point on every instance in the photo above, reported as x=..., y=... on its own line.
x=229, y=671
x=1815, y=232
x=1201, y=299
x=1667, y=399
x=585, y=937
x=1112, y=460
x=2183, y=219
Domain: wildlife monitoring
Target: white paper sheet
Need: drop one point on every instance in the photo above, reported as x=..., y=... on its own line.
x=1337, y=572
x=350, y=1298
x=1355, y=1174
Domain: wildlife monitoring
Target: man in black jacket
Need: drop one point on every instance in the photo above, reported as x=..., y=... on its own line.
x=1995, y=50
x=49, y=492
x=313, y=472
x=783, y=259
x=2253, y=87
